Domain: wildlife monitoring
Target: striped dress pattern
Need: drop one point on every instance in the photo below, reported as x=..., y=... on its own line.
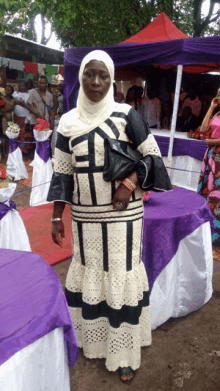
x=106, y=285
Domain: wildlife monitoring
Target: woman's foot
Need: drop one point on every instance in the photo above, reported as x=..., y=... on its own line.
x=126, y=374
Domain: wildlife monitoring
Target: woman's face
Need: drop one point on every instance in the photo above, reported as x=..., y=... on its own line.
x=22, y=87
x=8, y=91
x=96, y=80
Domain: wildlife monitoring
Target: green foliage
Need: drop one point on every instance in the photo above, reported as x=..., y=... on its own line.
x=103, y=22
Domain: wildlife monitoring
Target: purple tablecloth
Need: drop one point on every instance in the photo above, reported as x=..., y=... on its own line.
x=168, y=218
x=32, y=304
x=190, y=147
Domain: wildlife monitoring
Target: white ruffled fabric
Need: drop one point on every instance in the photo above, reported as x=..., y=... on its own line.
x=15, y=166
x=116, y=289
x=120, y=346
x=13, y=234
x=42, y=173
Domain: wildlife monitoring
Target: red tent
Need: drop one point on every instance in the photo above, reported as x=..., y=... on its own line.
x=161, y=29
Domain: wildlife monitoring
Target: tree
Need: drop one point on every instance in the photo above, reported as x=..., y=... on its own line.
x=18, y=17
x=104, y=22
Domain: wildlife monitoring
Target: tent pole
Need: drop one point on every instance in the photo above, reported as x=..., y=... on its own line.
x=174, y=116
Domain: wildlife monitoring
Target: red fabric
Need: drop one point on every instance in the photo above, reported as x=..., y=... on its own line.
x=161, y=29
x=30, y=67
x=2, y=102
x=38, y=226
x=198, y=68
x=61, y=70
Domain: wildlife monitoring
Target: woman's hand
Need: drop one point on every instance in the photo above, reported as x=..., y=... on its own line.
x=214, y=103
x=122, y=196
x=57, y=232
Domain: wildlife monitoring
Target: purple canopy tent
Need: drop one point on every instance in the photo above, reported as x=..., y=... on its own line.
x=191, y=51
x=180, y=52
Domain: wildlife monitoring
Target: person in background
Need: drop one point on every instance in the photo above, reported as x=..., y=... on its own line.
x=188, y=121
x=209, y=181
x=131, y=97
x=7, y=114
x=58, y=107
x=7, y=110
x=41, y=103
x=22, y=115
x=36, y=82
x=118, y=96
x=2, y=85
x=194, y=102
x=139, y=94
x=59, y=99
x=166, y=116
x=151, y=110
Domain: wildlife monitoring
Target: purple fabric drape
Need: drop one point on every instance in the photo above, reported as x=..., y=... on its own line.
x=180, y=51
x=43, y=150
x=193, y=148
x=32, y=304
x=168, y=218
x=4, y=208
x=13, y=145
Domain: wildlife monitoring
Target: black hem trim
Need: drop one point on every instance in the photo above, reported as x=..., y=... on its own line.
x=106, y=211
x=108, y=217
x=106, y=221
x=127, y=314
x=92, y=206
x=88, y=170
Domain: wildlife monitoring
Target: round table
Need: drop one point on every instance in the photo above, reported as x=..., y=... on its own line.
x=37, y=335
x=177, y=253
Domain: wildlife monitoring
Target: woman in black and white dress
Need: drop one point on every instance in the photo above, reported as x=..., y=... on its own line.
x=106, y=286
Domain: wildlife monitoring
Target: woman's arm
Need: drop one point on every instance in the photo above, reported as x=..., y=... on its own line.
x=208, y=117
x=212, y=142
x=34, y=111
x=62, y=184
x=58, y=232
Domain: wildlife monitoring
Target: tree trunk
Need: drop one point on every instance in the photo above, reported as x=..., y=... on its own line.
x=45, y=40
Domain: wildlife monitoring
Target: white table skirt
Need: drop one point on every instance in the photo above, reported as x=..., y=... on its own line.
x=185, y=284
x=187, y=180
x=181, y=178
x=41, y=366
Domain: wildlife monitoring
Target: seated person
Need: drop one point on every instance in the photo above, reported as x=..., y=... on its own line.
x=166, y=116
x=188, y=121
x=194, y=102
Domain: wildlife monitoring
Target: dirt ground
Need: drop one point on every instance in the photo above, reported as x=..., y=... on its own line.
x=185, y=352
x=184, y=355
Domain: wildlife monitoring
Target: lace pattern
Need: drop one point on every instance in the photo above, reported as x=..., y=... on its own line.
x=63, y=162
x=120, y=346
x=117, y=289
x=149, y=147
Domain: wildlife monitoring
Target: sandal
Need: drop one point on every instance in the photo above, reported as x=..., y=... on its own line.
x=126, y=371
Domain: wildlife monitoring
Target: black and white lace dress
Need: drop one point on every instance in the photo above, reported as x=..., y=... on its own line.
x=106, y=285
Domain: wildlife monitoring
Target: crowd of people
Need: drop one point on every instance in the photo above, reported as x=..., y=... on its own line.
x=158, y=112
x=31, y=100
x=36, y=98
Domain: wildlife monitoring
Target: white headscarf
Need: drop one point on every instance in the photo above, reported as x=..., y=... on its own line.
x=88, y=115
